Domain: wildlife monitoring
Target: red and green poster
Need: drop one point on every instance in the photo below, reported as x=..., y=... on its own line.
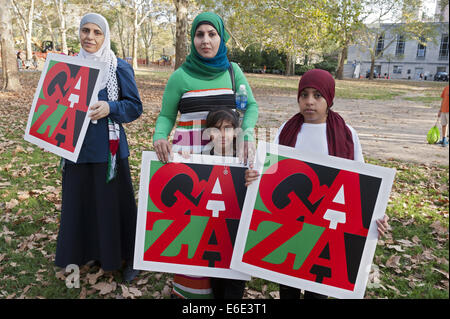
x=309, y=222
x=58, y=117
x=188, y=215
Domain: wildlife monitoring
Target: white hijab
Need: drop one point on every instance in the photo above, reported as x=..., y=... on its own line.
x=104, y=54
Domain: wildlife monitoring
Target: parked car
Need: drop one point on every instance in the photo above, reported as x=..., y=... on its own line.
x=375, y=74
x=441, y=76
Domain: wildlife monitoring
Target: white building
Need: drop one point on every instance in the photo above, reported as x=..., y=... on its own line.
x=405, y=59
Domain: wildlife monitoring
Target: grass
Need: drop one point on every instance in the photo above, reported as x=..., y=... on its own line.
x=411, y=262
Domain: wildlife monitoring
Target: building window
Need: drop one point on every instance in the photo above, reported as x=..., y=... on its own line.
x=398, y=69
x=380, y=46
x=443, y=50
x=421, y=49
x=400, y=49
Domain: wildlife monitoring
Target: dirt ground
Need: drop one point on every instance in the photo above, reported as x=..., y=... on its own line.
x=391, y=129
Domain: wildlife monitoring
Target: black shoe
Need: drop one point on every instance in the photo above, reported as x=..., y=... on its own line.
x=93, y=263
x=128, y=273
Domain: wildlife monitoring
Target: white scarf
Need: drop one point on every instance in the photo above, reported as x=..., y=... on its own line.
x=104, y=54
x=109, y=80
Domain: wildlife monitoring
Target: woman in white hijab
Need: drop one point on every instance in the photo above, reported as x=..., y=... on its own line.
x=98, y=214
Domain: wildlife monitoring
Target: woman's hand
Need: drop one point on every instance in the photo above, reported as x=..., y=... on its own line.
x=163, y=150
x=383, y=226
x=99, y=110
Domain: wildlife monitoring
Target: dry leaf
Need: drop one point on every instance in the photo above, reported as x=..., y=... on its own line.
x=105, y=288
x=136, y=292
x=393, y=261
x=92, y=278
x=438, y=228
x=83, y=293
x=23, y=195
x=275, y=294
x=396, y=247
x=12, y=203
x=166, y=291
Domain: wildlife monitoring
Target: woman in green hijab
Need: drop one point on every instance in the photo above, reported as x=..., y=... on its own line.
x=202, y=83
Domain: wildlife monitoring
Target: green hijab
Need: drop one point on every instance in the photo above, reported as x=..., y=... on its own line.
x=207, y=68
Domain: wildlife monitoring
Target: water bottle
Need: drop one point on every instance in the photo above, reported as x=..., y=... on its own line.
x=241, y=99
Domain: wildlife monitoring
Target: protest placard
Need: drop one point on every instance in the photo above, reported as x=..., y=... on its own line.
x=58, y=117
x=309, y=221
x=188, y=215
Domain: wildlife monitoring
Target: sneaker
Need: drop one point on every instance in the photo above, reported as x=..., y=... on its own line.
x=440, y=142
x=445, y=142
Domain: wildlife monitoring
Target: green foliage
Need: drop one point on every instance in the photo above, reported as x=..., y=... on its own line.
x=329, y=64
x=253, y=59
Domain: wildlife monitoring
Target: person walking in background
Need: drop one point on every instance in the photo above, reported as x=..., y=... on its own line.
x=443, y=114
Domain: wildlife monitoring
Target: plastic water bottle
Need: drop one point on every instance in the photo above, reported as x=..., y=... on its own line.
x=241, y=99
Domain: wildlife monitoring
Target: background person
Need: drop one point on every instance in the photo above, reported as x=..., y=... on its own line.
x=443, y=114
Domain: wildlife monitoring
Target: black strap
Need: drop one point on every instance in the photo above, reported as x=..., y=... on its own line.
x=233, y=84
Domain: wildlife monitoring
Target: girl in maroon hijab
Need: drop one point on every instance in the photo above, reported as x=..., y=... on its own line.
x=316, y=128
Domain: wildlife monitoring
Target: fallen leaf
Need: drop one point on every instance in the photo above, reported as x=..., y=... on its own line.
x=12, y=203
x=275, y=294
x=393, y=261
x=166, y=291
x=83, y=293
x=105, y=288
x=23, y=195
x=438, y=228
x=92, y=278
x=396, y=247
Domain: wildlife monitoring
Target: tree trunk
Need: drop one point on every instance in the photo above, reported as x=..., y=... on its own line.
x=372, y=67
x=10, y=72
x=342, y=58
x=29, y=31
x=181, y=46
x=135, y=40
x=62, y=24
x=25, y=22
x=64, y=48
x=50, y=30
x=290, y=64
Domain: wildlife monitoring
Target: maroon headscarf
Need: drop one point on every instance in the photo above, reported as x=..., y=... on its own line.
x=339, y=136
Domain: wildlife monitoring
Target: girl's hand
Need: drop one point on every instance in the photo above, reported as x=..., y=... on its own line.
x=185, y=154
x=383, y=226
x=99, y=110
x=251, y=175
x=163, y=150
x=246, y=152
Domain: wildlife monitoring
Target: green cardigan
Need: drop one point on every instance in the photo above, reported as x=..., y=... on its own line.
x=180, y=82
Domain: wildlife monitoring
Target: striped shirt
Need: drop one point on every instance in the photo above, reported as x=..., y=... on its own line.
x=192, y=287
x=186, y=94
x=194, y=107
